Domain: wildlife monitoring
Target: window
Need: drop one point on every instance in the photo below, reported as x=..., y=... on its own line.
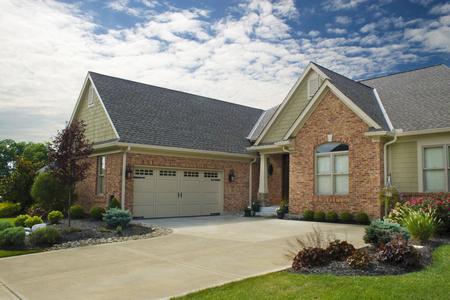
x=90, y=96
x=436, y=166
x=211, y=175
x=101, y=164
x=332, y=169
x=168, y=173
x=190, y=174
x=143, y=172
x=313, y=84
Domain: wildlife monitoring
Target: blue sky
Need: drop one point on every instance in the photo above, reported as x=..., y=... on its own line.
x=244, y=51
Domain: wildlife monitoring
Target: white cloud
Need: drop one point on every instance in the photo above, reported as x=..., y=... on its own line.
x=335, y=5
x=123, y=6
x=440, y=9
x=251, y=57
x=422, y=2
x=344, y=20
x=368, y=27
x=337, y=30
x=433, y=35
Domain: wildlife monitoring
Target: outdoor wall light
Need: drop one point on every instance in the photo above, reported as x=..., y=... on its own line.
x=129, y=172
x=270, y=169
x=231, y=176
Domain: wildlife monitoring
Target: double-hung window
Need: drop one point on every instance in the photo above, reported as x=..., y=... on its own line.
x=101, y=166
x=436, y=168
x=332, y=169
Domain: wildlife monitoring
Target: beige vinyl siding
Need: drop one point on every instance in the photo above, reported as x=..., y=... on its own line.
x=403, y=166
x=98, y=127
x=289, y=114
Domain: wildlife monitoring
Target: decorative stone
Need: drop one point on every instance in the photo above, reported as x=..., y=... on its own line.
x=38, y=226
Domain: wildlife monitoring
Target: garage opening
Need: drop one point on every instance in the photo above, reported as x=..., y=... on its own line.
x=162, y=193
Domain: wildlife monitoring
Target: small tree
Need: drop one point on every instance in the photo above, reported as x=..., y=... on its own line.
x=17, y=186
x=48, y=192
x=67, y=156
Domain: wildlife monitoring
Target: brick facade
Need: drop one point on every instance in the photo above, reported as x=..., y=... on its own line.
x=331, y=116
x=275, y=180
x=235, y=193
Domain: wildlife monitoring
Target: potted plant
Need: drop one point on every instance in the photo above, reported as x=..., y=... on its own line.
x=282, y=210
x=255, y=206
x=247, y=212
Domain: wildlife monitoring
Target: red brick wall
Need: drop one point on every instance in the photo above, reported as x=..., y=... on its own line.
x=275, y=180
x=331, y=116
x=235, y=193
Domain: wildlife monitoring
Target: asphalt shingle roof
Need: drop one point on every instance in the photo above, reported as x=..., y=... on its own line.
x=150, y=115
x=360, y=94
x=416, y=100
x=265, y=117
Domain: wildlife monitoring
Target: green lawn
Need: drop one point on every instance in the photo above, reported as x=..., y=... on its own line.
x=6, y=253
x=431, y=283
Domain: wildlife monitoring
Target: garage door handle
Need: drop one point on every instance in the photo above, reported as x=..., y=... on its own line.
x=181, y=194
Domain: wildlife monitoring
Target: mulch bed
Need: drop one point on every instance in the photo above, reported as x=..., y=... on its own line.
x=376, y=268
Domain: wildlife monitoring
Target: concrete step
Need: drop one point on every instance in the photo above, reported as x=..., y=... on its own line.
x=267, y=211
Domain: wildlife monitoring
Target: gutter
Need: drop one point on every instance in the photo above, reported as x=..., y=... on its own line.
x=385, y=156
x=124, y=170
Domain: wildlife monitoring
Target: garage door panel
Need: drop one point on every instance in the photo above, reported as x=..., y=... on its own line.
x=144, y=185
x=142, y=198
x=167, y=211
x=146, y=211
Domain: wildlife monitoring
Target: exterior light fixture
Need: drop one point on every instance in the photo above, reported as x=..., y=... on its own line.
x=129, y=172
x=231, y=176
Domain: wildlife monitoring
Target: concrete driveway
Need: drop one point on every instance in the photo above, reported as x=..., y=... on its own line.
x=202, y=252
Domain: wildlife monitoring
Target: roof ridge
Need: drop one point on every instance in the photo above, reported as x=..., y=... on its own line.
x=168, y=89
x=402, y=72
x=356, y=81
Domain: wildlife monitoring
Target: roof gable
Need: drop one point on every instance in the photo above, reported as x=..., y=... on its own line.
x=150, y=115
x=416, y=100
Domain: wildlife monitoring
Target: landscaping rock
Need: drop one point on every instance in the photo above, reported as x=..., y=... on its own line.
x=37, y=226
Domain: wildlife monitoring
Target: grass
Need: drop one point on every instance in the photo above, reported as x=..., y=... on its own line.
x=430, y=283
x=7, y=253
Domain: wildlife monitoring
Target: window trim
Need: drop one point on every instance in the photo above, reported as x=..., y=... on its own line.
x=313, y=76
x=90, y=97
x=445, y=167
x=100, y=159
x=332, y=173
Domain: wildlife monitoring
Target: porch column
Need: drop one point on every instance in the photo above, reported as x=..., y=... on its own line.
x=263, y=189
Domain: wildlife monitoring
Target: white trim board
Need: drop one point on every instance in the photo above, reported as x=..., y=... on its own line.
x=86, y=80
x=327, y=85
x=288, y=97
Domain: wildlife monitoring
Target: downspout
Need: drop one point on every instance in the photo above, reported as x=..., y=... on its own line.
x=250, y=187
x=385, y=156
x=124, y=178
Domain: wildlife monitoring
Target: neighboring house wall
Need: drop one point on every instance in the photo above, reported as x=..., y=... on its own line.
x=332, y=116
x=402, y=164
x=98, y=127
x=289, y=114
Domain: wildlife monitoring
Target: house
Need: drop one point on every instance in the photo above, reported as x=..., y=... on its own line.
x=330, y=145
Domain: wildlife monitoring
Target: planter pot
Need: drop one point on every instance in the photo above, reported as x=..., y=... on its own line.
x=247, y=212
x=280, y=214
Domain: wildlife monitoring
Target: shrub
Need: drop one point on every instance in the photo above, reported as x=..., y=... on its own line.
x=33, y=221
x=331, y=216
x=310, y=257
x=360, y=259
x=399, y=213
x=382, y=232
x=398, y=252
x=339, y=250
x=319, y=216
x=36, y=210
x=55, y=216
x=9, y=209
x=421, y=224
x=308, y=215
x=115, y=217
x=4, y=225
x=76, y=211
x=97, y=213
x=20, y=220
x=12, y=237
x=46, y=236
x=48, y=192
x=114, y=203
x=346, y=217
x=362, y=218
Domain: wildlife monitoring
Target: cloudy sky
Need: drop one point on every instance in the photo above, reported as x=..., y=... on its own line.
x=243, y=51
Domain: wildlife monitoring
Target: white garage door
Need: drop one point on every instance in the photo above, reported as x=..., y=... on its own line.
x=174, y=193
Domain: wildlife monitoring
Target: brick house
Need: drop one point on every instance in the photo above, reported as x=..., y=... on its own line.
x=330, y=145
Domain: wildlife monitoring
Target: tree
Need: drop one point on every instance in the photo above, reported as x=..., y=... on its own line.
x=10, y=150
x=17, y=186
x=36, y=153
x=48, y=192
x=7, y=156
x=67, y=156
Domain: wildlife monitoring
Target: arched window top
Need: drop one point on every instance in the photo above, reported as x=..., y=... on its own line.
x=332, y=147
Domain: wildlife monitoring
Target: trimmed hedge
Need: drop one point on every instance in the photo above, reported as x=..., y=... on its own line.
x=33, y=221
x=117, y=217
x=346, y=217
x=47, y=236
x=319, y=216
x=308, y=215
x=4, y=225
x=97, y=213
x=9, y=209
x=331, y=216
x=76, y=212
x=362, y=218
x=20, y=220
x=55, y=216
x=12, y=237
